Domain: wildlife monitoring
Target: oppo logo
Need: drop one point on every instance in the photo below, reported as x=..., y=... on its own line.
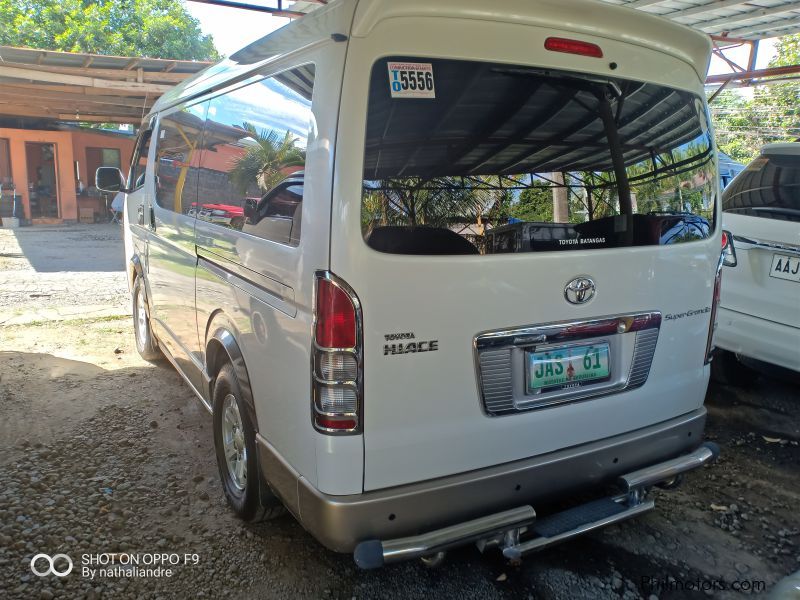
x=51, y=565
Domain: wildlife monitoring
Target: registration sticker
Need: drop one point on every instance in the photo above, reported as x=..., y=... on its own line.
x=411, y=80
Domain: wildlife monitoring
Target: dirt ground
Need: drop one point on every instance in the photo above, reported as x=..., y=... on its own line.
x=102, y=452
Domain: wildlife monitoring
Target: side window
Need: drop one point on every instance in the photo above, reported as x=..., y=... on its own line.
x=139, y=159
x=177, y=158
x=254, y=152
x=277, y=215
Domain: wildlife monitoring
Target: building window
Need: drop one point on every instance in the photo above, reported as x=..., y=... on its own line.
x=100, y=157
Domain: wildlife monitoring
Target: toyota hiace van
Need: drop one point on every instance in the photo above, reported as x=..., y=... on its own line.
x=433, y=265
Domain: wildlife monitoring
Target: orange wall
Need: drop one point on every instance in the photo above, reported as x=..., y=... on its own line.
x=70, y=146
x=64, y=158
x=84, y=139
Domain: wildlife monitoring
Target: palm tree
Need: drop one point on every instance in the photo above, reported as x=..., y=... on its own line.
x=266, y=160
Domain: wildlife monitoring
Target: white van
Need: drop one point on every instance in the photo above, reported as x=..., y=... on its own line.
x=759, y=314
x=433, y=265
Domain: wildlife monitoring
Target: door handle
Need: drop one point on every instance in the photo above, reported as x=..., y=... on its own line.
x=152, y=218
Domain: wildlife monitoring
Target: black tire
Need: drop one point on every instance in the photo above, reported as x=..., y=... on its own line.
x=248, y=496
x=146, y=343
x=727, y=369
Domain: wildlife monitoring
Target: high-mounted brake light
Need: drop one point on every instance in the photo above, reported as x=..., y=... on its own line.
x=556, y=44
x=336, y=357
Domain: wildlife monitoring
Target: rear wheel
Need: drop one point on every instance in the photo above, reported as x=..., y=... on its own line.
x=237, y=457
x=146, y=343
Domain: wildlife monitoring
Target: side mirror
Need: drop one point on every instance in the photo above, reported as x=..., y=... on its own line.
x=728, y=251
x=251, y=209
x=109, y=179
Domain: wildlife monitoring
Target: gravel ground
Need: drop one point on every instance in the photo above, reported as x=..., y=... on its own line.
x=61, y=271
x=101, y=452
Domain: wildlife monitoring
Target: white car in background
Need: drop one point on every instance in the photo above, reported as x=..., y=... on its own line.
x=759, y=313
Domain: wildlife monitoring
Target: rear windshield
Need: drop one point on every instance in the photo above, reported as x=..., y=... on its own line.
x=769, y=187
x=469, y=157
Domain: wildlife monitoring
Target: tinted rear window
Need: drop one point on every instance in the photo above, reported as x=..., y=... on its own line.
x=769, y=187
x=469, y=157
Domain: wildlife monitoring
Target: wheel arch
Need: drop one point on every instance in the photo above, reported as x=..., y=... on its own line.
x=223, y=347
x=134, y=270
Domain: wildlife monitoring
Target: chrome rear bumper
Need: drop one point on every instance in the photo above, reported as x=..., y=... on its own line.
x=407, y=511
x=505, y=529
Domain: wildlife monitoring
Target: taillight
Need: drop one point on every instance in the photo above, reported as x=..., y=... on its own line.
x=727, y=259
x=714, y=302
x=556, y=44
x=728, y=250
x=336, y=357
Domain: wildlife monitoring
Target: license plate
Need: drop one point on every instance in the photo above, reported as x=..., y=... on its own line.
x=571, y=365
x=785, y=267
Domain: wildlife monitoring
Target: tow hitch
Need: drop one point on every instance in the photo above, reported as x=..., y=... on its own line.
x=506, y=530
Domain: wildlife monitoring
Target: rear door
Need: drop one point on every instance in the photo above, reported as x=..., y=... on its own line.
x=533, y=248
x=762, y=211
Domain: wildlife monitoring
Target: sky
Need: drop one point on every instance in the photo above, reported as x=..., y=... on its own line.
x=235, y=28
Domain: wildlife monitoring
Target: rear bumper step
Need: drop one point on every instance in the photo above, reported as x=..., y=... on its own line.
x=504, y=529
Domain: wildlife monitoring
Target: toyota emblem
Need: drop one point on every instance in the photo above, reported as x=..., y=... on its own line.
x=580, y=290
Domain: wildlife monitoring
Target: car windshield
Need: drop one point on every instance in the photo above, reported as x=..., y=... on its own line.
x=467, y=157
x=769, y=188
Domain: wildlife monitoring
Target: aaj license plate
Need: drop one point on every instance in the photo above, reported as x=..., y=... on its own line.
x=785, y=267
x=567, y=366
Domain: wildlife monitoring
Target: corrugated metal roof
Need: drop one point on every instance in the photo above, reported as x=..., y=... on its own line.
x=743, y=19
x=52, y=58
x=85, y=87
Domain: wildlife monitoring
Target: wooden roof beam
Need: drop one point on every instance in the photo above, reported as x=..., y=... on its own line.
x=27, y=87
x=79, y=100
x=123, y=75
x=34, y=75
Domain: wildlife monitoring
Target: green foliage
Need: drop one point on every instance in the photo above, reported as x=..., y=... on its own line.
x=416, y=201
x=266, y=161
x=744, y=124
x=788, y=52
x=535, y=203
x=148, y=28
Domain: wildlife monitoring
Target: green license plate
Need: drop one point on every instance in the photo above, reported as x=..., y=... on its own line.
x=564, y=366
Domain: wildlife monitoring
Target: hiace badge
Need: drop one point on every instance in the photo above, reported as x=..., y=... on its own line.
x=411, y=80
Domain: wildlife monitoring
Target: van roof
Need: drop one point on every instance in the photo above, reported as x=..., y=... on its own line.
x=792, y=148
x=357, y=19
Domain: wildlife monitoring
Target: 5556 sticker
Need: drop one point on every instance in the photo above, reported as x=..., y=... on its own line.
x=411, y=80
